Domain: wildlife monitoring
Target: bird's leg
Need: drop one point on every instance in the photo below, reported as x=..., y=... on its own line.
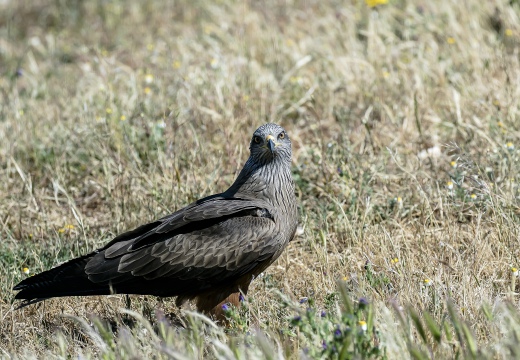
x=128, y=302
x=215, y=304
x=219, y=311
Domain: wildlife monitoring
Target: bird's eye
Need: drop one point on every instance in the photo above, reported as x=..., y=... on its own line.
x=257, y=139
x=281, y=135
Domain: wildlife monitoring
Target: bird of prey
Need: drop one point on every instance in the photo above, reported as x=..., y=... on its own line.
x=209, y=251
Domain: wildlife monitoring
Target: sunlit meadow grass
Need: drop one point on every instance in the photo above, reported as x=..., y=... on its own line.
x=404, y=117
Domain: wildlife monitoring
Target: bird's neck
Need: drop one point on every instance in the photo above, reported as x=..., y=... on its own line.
x=265, y=181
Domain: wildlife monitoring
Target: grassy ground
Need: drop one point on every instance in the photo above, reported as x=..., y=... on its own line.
x=404, y=119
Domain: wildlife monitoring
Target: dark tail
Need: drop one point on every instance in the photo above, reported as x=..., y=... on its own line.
x=68, y=279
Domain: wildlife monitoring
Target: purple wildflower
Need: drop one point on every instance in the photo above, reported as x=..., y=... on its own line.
x=303, y=300
x=363, y=301
x=323, y=313
x=225, y=307
x=324, y=345
x=337, y=332
x=241, y=297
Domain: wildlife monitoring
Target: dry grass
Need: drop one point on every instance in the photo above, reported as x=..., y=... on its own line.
x=115, y=113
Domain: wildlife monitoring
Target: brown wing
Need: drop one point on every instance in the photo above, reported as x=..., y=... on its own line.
x=210, y=245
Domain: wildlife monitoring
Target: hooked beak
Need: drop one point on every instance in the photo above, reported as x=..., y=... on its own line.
x=270, y=143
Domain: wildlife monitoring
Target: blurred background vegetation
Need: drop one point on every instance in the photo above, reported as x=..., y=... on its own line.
x=404, y=122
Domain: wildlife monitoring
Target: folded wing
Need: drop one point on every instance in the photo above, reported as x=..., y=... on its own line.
x=211, y=243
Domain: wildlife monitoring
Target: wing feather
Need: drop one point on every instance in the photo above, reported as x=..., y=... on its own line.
x=213, y=242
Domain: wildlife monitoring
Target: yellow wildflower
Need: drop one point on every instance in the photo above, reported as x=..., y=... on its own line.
x=473, y=196
x=25, y=270
x=394, y=260
x=147, y=90
x=363, y=325
x=450, y=40
x=108, y=110
x=510, y=146
x=449, y=185
x=453, y=164
x=514, y=271
x=374, y=3
x=176, y=64
x=508, y=32
x=427, y=282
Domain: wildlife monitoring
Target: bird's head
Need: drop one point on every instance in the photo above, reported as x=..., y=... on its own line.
x=270, y=141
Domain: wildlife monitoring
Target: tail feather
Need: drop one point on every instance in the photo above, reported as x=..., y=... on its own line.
x=68, y=279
